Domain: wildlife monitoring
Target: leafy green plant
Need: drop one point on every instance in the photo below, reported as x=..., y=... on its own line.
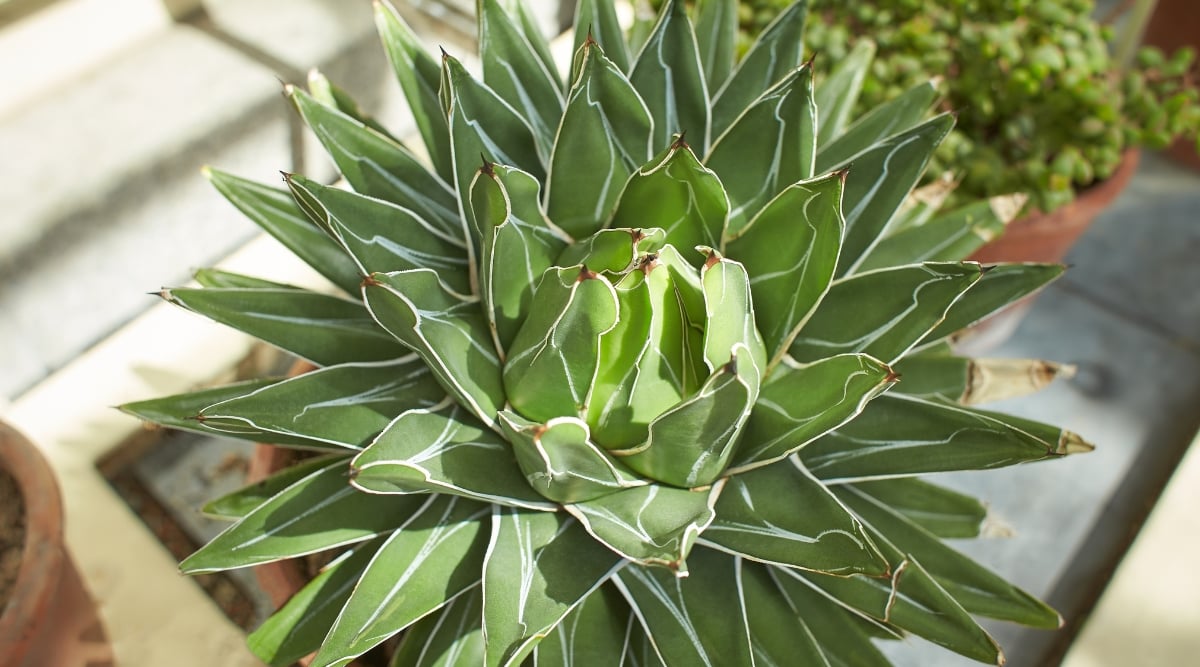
x=592, y=389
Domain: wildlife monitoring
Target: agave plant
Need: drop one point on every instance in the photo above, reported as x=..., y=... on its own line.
x=632, y=369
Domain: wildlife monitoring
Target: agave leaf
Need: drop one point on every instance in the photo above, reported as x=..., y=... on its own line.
x=949, y=237
x=677, y=194
x=553, y=358
x=979, y=590
x=344, y=405
x=837, y=95
x=838, y=634
x=443, y=450
x=436, y=555
x=377, y=166
x=669, y=77
x=639, y=651
x=531, y=29
x=790, y=250
x=238, y=504
x=561, y=462
x=779, y=633
x=449, y=637
x=769, y=147
x=776, y=53
x=879, y=180
x=298, y=627
x=1001, y=285
x=180, y=410
x=279, y=215
x=321, y=328
x=327, y=93
x=691, y=443
x=514, y=70
x=381, y=236
x=893, y=117
x=729, y=313
x=910, y=600
x=936, y=509
x=925, y=201
x=694, y=620
x=716, y=37
x=595, y=634
x=218, y=278
x=598, y=19
x=518, y=244
x=650, y=525
x=419, y=77
x=781, y=514
x=883, y=313
x=802, y=402
x=319, y=512
x=446, y=331
x=539, y=566
x=898, y=436
x=604, y=136
x=612, y=251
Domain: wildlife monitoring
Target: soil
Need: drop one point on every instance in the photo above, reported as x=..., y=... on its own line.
x=12, y=534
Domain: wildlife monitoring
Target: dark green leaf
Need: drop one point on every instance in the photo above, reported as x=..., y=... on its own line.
x=773, y=56
x=837, y=95
x=668, y=75
x=1001, y=285
x=896, y=115
x=939, y=510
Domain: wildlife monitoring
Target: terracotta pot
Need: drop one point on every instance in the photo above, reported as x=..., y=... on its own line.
x=1175, y=24
x=50, y=620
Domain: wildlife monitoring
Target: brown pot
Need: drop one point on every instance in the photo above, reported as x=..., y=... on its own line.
x=1175, y=24
x=50, y=619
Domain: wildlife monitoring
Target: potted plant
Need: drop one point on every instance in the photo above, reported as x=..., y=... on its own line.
x=632, y=367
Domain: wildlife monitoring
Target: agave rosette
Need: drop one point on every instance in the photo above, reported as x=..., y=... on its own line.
x=613, y=374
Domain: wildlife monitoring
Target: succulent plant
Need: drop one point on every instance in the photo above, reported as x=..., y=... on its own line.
x=643, y=365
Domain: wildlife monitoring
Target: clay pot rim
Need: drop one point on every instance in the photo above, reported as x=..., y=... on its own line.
x=42, y=556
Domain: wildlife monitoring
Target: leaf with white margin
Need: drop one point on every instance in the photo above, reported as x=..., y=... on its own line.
x=319, y=512
x=1001, y=285
x=239, y=503
x=552, y=361
x=694, y=620
x=837, y=94
x=218, y=278
x=443, y=450
x=769, y=147
x=650, y=525
x=381, y=236
x=777, y=52
x=539, y=566
x=782, y=515
x=677, y=194
x=948, y=237
x=449, y=637
x=604, y=136
x=892, y=117
x=716, y=37
x=436, y=555
x=561, y=462
x=598, y=19
x=613, y=251
x=343, y=405
x=843, y=637
x=729, y=312
x=790, y=250
x=779, y=632
x=447, y=331
x=801, y=402
x=885, y=312
x=941, y=511
x=668, y=75
x=596, y=632
x=518, y=243
x=335, y=97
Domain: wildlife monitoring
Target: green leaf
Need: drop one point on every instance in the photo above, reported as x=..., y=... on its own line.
x=319, y=512
x=783, y=515
x=419, y=77
x=885, y=312
x=539, y=566
x=561, y=462
x=298, y=627
x=716, y=37
x=274, y=210
x=604, y=136
x=668, y=75
x=694, y=620
x=598, y=18
x=939, y=510
x=768, y=148
x=321, y=328
x=838, y=633
x=775, y=54
x=436, y=555
x=979, y=590
x=553, y=359
x=934, y=372
x=446, y=331
x=892, y=117
x=898, y=436
x=676, y=193
x=594, y=634
x=837, y=95
x=779, y=633
x=729, y=313
x=879, y=180
x=612, y=251
x=531, y=29
x=515, y=72
x=803, y=402
x=180, y=410
x=324, y=91
x=238, y=504
x=443, y=450
x=949, y=237
x=217, y=278
x=650, y=525
x=343, y=405
x=449, y=637
x=1001, y=285
x=381, y=236
x=790, y=250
